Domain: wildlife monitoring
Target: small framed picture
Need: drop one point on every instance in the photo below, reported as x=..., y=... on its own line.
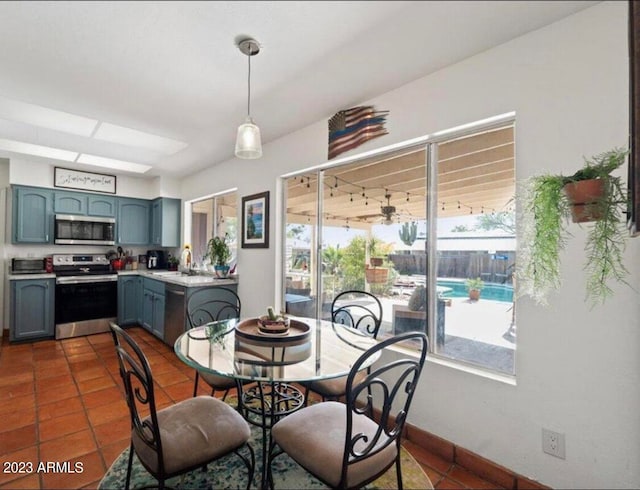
x=255, y=221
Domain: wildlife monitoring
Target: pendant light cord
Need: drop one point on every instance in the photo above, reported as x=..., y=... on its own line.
x=249, y=86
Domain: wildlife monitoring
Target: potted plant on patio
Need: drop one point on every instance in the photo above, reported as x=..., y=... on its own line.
x=474, y=286
x=373, y=272
x=219, y=253
x=548, y=201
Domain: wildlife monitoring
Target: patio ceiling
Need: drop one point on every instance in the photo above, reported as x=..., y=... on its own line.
x=475, y=174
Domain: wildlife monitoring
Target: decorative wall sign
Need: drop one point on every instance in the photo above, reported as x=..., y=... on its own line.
x=86, y=181
x=350, y=128
x=255, y=221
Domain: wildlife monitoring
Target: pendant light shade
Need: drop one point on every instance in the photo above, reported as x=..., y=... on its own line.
x=248, y=141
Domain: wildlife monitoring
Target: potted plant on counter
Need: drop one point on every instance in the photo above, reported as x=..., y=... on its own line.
x=172, y=263
x=219, y=253
x=548, y=201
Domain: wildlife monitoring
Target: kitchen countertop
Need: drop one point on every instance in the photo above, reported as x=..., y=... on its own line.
x=165, y=276
x=181, y=279
x=20, y=277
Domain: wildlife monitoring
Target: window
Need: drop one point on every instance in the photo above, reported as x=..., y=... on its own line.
x=475, y=249
x=373, y=235
x=214, y=216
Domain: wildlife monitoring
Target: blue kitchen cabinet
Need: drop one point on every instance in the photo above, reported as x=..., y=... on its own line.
x=101, y=206
x=130, y=300
x=82, y=203
x=69, y=203
x=165, y=222
x=32, y=313
x=153, y=303
x=32, y=215
x=133, y=222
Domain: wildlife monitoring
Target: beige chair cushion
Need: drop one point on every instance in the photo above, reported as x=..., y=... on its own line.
x=334, y=387
x=218, y=382
x=315, y=437
x=194, y=432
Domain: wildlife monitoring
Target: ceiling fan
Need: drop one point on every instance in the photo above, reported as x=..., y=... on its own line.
x=388, y=211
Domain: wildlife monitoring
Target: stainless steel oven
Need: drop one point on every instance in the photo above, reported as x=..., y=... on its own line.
x=86, y=296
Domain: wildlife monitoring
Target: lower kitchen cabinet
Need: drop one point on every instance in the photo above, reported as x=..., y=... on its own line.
x=32, y=309
x=130, y=294
x=153, y=301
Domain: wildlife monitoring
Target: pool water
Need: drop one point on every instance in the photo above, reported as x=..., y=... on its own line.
x=496, y=292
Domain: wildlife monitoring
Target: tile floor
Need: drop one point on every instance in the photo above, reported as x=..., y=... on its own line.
x=61, y=401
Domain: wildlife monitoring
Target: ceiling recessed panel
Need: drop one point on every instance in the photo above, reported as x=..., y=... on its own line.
x=131, y=137
x=113, y=164
x=44, y=117
x=37, y=150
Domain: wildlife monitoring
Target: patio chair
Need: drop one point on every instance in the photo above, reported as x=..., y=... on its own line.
x=340, y=445
x=182, y=437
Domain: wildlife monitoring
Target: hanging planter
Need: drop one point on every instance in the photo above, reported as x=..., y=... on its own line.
x=584, y=196
x=547, y=201
x=376, y=275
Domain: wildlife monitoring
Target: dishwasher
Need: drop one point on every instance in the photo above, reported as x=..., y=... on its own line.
x=175, y=312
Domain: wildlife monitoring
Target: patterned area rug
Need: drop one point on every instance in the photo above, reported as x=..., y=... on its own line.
x=230, y=472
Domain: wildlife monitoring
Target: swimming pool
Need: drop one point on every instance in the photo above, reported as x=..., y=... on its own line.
x=496, y=292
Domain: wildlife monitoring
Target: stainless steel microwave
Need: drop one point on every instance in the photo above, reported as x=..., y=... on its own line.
x=73, y=229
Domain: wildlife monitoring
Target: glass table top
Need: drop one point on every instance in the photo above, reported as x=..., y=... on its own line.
x=312, y=350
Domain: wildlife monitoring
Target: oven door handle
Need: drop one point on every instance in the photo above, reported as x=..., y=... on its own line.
x=86, y=279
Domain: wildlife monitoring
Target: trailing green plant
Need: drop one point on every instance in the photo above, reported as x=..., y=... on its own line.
x=544, y=235
x=408, y=233
x=546, y=210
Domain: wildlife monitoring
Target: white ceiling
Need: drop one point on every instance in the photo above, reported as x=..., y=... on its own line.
x=119, y=70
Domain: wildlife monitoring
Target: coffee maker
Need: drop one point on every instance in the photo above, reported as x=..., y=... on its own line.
x=156, y=259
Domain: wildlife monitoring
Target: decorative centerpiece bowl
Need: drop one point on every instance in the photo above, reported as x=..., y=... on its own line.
x=272, y=323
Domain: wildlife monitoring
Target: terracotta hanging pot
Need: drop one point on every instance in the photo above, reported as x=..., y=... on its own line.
x=584, y=195
x=376, y=275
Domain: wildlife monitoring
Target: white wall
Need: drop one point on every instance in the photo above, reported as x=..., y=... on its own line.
x=577, y=369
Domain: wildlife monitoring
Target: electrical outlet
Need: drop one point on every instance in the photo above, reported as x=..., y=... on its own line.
x=553, y=443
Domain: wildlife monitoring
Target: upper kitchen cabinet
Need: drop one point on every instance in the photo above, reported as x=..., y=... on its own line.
x=69, y=203
x=84, y=204
x=32, y=215
x=133, y=222
x=101, y=206
x=165, y=222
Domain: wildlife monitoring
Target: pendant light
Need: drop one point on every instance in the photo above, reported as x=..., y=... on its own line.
x=248, y=142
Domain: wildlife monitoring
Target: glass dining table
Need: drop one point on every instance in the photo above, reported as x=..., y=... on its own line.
x=271, y=369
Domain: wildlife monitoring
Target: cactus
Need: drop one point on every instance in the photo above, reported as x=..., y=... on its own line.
x=408, y=233
x=271, y=314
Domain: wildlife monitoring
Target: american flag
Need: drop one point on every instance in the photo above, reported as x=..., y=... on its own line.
x=352, y=127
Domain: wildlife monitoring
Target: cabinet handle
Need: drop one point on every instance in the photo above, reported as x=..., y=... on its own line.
x=46, y=237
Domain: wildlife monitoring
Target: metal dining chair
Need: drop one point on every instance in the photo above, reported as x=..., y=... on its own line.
x=182, y=437
x=337, y=442
x=224, y=306
x=356, y=309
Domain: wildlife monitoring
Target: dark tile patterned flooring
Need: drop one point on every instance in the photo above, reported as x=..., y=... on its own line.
x=61, y=401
